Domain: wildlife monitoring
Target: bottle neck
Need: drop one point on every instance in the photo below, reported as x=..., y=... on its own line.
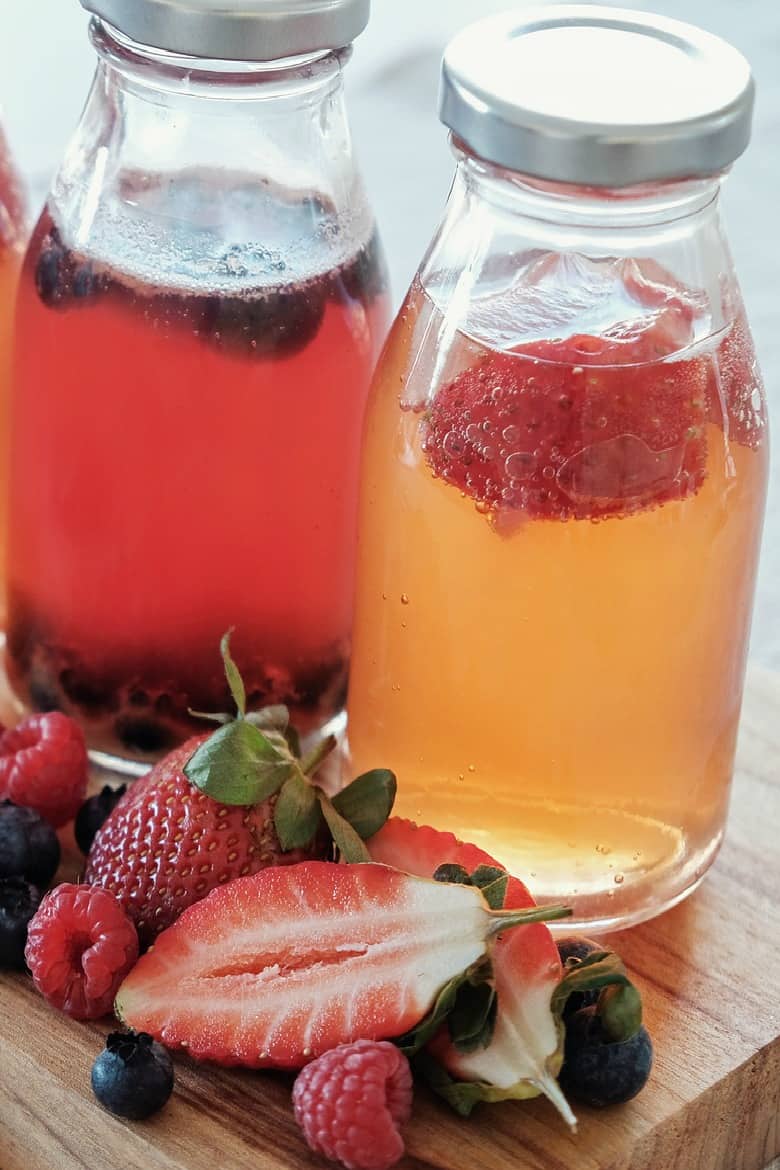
x=159, y=131
x=608, y=213
x=517, y=258
x=158, y=74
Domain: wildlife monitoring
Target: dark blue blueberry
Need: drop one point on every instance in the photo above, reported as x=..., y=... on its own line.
x=93, y=813
x=598, y=1072
x=133, y=1075
x=29, y=847
x=18, y=902
x=275, y=324
x=576, y=946
x=51, y=271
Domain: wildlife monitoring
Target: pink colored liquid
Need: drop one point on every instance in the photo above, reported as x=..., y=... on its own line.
x=184, y=462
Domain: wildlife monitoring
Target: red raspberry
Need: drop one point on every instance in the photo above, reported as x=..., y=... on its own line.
x=351, y=1101
x=80, y=946
x=43, y=765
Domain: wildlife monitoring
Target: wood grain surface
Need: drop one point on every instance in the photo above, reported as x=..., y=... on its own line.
x=707, y=970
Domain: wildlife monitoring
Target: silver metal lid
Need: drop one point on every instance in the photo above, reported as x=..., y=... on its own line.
x=236, y=30
x=606, y=97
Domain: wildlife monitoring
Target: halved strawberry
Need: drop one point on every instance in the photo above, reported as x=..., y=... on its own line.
x=275, y=969
x=526, y=1052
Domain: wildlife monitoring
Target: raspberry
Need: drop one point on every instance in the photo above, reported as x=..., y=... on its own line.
x=80, y=946
x=43, y=765
x=351, y=1101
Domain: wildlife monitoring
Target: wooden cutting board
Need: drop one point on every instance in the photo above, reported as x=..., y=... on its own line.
x=709, y=974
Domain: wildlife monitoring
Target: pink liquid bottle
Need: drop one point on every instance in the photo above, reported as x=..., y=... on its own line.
x=201, y=307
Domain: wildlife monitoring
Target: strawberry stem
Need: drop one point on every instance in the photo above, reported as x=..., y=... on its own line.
x=506, y=919
x=312, y=760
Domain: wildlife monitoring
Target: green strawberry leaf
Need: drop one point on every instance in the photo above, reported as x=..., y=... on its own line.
x=450, y=872
x=495, y=892
x=233, y=676
x=238, y=765
x=275, y=718
x=351, y=846
x=411, y=1042
x=297, y=815
x=620, y=1014
x=619, y=1009
x=473, y=1019
x=368, y=801
x=293, y=741
x=484, y=876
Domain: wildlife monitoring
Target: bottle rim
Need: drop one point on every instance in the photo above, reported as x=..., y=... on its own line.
x=221, y=30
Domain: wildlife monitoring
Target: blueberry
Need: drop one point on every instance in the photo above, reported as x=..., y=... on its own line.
x=29, y=847
x=598, y=1072
x=93, y=813
x=133, y=1075
x=18, y=902
x=274, y=324
x=576, y=946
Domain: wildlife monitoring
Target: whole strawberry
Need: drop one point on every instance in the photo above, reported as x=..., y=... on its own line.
x=167, y=844
x=226, y=805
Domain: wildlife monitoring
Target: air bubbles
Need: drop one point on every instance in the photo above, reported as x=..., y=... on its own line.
x=604, y=850
x=511, y=433
x=520, y=465
x=619, y=878
x=472, y=767
x=404, y=599
x=548, y=472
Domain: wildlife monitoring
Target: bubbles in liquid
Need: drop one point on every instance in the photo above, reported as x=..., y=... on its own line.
x=472, y=767
x=619, y=879
x=604, y=850
x=404, y=599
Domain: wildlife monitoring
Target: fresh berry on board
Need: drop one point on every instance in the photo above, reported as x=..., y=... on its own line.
x=93, y=813
x=43, y=765
x=224, y=806
x=352, y=1102
x=29, y=846
x=133, y=1076
x=80, y=946
x=18, y=902
x=166, y=845
x=277, y=968
x=598, y=1070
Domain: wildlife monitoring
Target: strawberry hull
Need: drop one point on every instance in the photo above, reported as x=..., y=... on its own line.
x=274, y=969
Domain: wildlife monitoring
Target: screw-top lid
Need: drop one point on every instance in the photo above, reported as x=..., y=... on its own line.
x=600, y=96
x=236, y=30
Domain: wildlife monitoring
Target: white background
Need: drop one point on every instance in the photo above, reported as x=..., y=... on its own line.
x=46, y=63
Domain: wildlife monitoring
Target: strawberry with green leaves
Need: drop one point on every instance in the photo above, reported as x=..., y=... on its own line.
x=226, y=805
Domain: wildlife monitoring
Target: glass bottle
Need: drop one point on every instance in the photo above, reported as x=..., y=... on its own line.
x=200, y=311
x=565, y=468
x=12, y=228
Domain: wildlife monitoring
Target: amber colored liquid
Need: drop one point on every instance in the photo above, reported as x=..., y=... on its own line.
x=565, y=695
x=184, y=462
